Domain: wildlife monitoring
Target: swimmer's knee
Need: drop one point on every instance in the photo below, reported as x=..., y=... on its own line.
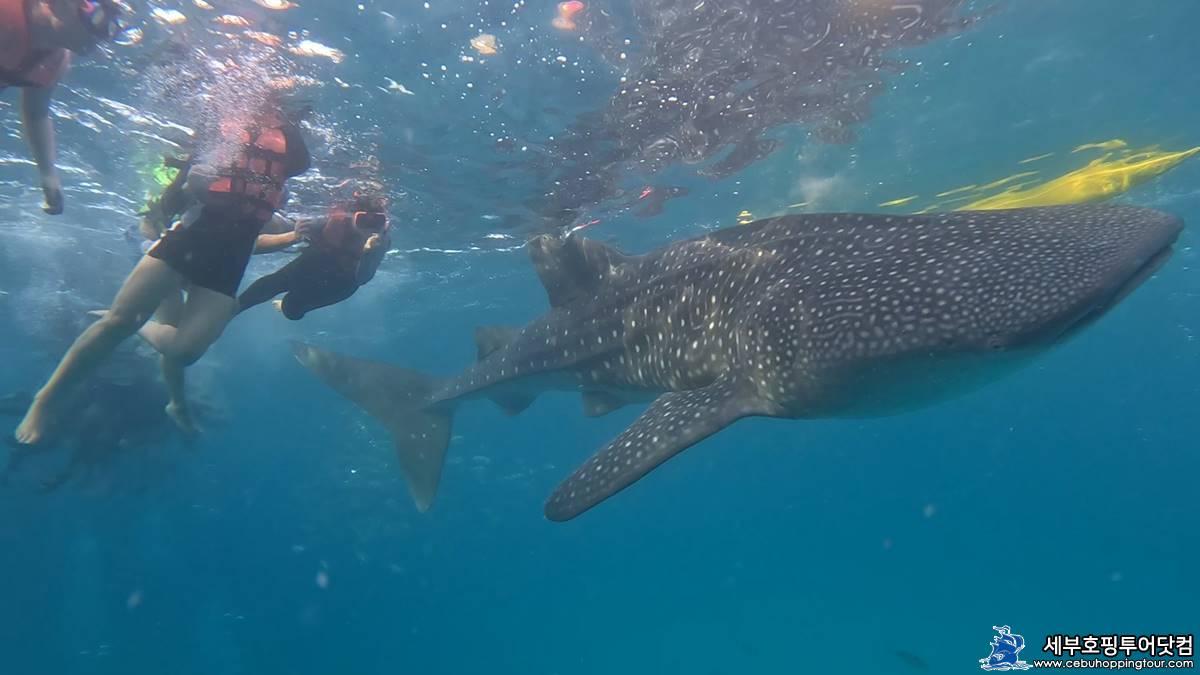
x=291, y=311
x=122, y=321
x=187, y=354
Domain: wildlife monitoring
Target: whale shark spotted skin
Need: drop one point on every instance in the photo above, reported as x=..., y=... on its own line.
x=799, y=316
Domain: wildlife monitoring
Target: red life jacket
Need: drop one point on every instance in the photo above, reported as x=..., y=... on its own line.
x=340, y=238
x=258, y=173
x=20, y=65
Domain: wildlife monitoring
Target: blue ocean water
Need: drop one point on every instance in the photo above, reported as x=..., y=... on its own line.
x=1059, y=499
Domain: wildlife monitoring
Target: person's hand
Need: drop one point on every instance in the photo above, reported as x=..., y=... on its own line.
x=307, y=228
x=373, y=242
x=52, y=190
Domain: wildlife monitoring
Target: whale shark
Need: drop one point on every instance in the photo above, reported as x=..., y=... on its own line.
x=799, y=316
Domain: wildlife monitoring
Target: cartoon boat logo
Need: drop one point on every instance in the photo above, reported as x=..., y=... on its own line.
x=1006, y=650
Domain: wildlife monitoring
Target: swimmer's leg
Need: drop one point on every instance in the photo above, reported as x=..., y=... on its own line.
x=205, y=315
x=316, y=294
x=170, y=309
x=269, y=286
x=141, y=293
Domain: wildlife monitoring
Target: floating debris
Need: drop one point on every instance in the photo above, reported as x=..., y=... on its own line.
x=168, y=17
x=1119, y=169
x=566, y=15
x=263, y=38
x=486, y=44
x=1101, y=179
x=965, y=188
x=1114, y=144
x=293, y=81
x=396, y=86
x=900, y=201
x=1027, y=160
x=311, y=48
x=129, y=37
x=232, y=20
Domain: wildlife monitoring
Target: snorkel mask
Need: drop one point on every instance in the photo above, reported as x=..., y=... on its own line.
x=101, y=18
x=370, y=221
x=370, y=212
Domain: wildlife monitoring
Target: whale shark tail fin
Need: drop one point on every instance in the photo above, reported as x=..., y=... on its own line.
x=400, y=399
x=674, y=422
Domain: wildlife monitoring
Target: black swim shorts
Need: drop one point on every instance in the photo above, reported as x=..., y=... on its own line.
x=213, y=250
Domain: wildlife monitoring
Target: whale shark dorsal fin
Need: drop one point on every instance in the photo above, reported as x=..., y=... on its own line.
x=673, y=422
x=573, y=267
x=490, y=338
x=597, y=403
x=399, y=398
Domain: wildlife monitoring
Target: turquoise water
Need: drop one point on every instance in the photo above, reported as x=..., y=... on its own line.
x=1057, y=500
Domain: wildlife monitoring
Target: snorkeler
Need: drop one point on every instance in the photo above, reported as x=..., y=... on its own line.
x=173, y=203
x=161, y=212
x=344, y=253
x=206, y=252
x=36, y=41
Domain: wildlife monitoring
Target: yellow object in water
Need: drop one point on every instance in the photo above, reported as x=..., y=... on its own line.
x=1035, y=158
x=1103, y=178
x=1119, y=169
x=1114, y=144
x=745, y=218
x=163, y=174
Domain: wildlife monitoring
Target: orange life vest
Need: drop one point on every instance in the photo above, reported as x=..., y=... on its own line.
x=259, y=171
x=20, y=65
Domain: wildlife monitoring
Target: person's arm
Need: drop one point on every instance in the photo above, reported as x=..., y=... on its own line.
x=39, y=133
x=301, y=231
x=374, y=249
x=278, y=225
x=269, y=243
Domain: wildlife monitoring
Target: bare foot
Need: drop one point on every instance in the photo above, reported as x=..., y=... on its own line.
x=32, y=429
x=182, y=418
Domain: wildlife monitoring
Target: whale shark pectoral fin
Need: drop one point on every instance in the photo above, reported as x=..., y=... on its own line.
x=597, y=403
x=488, y=339
x=400, y=399
x=512, y=403
x=673, y=422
